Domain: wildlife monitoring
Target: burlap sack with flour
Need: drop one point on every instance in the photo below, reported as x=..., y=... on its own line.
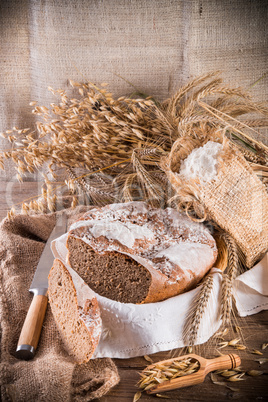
x=236, y=200
x=51, y=375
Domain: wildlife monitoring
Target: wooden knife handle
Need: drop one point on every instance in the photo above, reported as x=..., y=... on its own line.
x=31, y=329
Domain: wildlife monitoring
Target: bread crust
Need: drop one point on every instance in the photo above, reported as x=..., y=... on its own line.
x=162, y=285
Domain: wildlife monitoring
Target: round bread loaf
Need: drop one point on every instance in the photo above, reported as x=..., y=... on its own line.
x=134, y=253
x=76, y=314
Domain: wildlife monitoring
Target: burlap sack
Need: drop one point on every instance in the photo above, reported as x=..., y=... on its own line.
x=237, y=200
x=51, y=375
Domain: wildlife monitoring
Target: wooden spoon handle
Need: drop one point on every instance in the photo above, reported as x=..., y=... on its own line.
x=225, y=362
x=31, y=329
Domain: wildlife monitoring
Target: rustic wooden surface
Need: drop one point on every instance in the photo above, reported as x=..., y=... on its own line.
x=254, y=331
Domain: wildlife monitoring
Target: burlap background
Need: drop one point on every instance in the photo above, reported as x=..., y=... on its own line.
x=157, y=45
x=51, y=375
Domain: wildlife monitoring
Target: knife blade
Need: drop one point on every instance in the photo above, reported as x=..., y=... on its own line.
x=32, y=326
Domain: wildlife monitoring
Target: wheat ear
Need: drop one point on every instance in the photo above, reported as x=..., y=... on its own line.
x=228, y=278
x=94, y=194
x=199, y=306
x=145, y=178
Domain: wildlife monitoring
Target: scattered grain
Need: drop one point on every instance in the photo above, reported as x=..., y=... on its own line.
x=236, y=377
x=163, y=396
x=254, y=373
x=137, y=396
x=234, y=342
x=148, y=359
x=262, y=360
x=256, y=352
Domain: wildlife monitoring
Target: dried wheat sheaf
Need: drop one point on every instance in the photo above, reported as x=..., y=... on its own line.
x=111, y=150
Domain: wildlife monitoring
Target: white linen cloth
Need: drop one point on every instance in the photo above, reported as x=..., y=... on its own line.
x=130, y=330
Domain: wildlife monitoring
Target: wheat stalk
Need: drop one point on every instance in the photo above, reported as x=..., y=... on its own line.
x=151, y=185
x=198, y=308
x=172, y=104
x=98, y=196
x=223, y=117
x=228, y=278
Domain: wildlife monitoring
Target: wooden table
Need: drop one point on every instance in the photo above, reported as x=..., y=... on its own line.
x=254, y=330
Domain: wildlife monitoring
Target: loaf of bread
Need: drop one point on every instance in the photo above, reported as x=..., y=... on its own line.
x=134, y=253
x=76, y=314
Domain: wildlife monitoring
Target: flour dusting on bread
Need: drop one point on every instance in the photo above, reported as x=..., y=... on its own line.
x=164, y=241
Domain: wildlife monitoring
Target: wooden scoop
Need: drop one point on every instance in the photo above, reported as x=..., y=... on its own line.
x=205, y=366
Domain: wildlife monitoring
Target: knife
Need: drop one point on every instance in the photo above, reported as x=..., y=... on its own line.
x=32, y=326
